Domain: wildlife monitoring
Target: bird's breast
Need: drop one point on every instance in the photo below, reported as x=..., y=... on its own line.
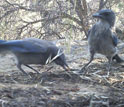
x=31, y=58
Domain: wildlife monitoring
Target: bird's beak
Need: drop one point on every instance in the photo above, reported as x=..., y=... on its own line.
x=66, y=67
x=97, y=15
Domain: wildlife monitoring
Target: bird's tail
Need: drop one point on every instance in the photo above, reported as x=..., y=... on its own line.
x=2, y=41
x=2, y=46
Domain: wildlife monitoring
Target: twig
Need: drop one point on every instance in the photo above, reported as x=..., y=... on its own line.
x=49, y=59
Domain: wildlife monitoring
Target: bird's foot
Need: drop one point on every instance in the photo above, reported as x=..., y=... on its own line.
x=29, y=76
x=108, y=74
x=82, y=71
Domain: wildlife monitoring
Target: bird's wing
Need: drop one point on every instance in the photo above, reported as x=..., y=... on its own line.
x=114, y=40
x=88, y=33
x=23, y=46
x=39, y=42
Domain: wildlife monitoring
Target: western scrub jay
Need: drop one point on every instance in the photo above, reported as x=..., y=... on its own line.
x=34, y=51
x=101, y=39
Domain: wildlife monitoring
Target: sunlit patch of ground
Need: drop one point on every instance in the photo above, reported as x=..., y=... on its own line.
x=59, y=88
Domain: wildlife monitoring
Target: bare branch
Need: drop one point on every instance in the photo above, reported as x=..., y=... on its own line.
x=102, y=4
x=20, y=7
x=7, y=13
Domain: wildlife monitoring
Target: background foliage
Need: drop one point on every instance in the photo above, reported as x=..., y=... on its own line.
x=53, y=19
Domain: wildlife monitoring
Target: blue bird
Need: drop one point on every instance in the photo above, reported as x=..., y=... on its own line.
x=34, y=51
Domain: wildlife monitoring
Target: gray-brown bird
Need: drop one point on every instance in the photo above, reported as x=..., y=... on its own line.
x=101, y=39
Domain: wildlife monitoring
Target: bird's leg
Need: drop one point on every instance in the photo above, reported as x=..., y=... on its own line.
x=91, y=59
x=19, y=67
x=32, y=68
x=109, y=65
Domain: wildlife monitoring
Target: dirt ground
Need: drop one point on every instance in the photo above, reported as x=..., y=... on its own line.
x=54, y=87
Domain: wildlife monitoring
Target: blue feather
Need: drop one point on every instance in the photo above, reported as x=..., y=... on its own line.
x=1, y=41
x=23, y=46
x=115, y=40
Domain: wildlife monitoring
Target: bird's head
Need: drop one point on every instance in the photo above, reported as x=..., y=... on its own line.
x=56, y=55
x=62, y=62
x=106, y=15
x=59, y=58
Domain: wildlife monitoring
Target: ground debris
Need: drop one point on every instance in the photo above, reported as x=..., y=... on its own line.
x=57, y=88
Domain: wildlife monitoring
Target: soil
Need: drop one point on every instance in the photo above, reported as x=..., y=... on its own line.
x=54, y=87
